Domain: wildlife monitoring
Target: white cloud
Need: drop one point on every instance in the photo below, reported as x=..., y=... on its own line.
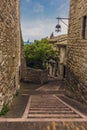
x=40, y=29
x=38, y=8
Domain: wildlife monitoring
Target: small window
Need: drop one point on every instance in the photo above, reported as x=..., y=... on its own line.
x=84, y=27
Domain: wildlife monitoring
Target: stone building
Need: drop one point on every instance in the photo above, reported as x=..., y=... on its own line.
x=77, y=50
x=61, y=47
x=60, y=44
x=52, y=66
x=10, y=50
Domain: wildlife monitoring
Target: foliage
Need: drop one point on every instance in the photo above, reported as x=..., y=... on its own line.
x=38, y=53
x=4, y=110
x=16, y=94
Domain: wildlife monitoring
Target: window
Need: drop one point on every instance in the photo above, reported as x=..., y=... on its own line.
x=84, y=27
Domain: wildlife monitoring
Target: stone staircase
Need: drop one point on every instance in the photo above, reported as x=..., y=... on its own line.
x=49, y=107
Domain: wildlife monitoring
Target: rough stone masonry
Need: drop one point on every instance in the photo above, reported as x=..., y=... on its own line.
x=10, y=49
x=77, y=50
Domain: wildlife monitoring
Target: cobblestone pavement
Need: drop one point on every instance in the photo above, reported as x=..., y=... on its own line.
x=44, y=108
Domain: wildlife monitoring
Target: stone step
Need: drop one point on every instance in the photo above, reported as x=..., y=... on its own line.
x=51, y=112
x=54, y=115
x=49, y=109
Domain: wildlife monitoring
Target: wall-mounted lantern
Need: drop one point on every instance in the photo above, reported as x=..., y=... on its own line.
x=58, y=26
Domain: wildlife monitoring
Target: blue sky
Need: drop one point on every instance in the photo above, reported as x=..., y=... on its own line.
x=38, y=17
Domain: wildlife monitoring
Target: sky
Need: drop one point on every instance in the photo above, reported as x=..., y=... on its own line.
x=38, y=18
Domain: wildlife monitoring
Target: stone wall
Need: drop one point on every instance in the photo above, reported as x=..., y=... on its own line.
x=61, y=47
x=77, y=51
x=10, y=49
x=23, y=64
x=35, y=75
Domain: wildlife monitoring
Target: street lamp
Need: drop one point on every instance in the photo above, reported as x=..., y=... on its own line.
x=58, y=26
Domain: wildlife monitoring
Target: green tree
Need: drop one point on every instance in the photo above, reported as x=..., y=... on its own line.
x=38, y=53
